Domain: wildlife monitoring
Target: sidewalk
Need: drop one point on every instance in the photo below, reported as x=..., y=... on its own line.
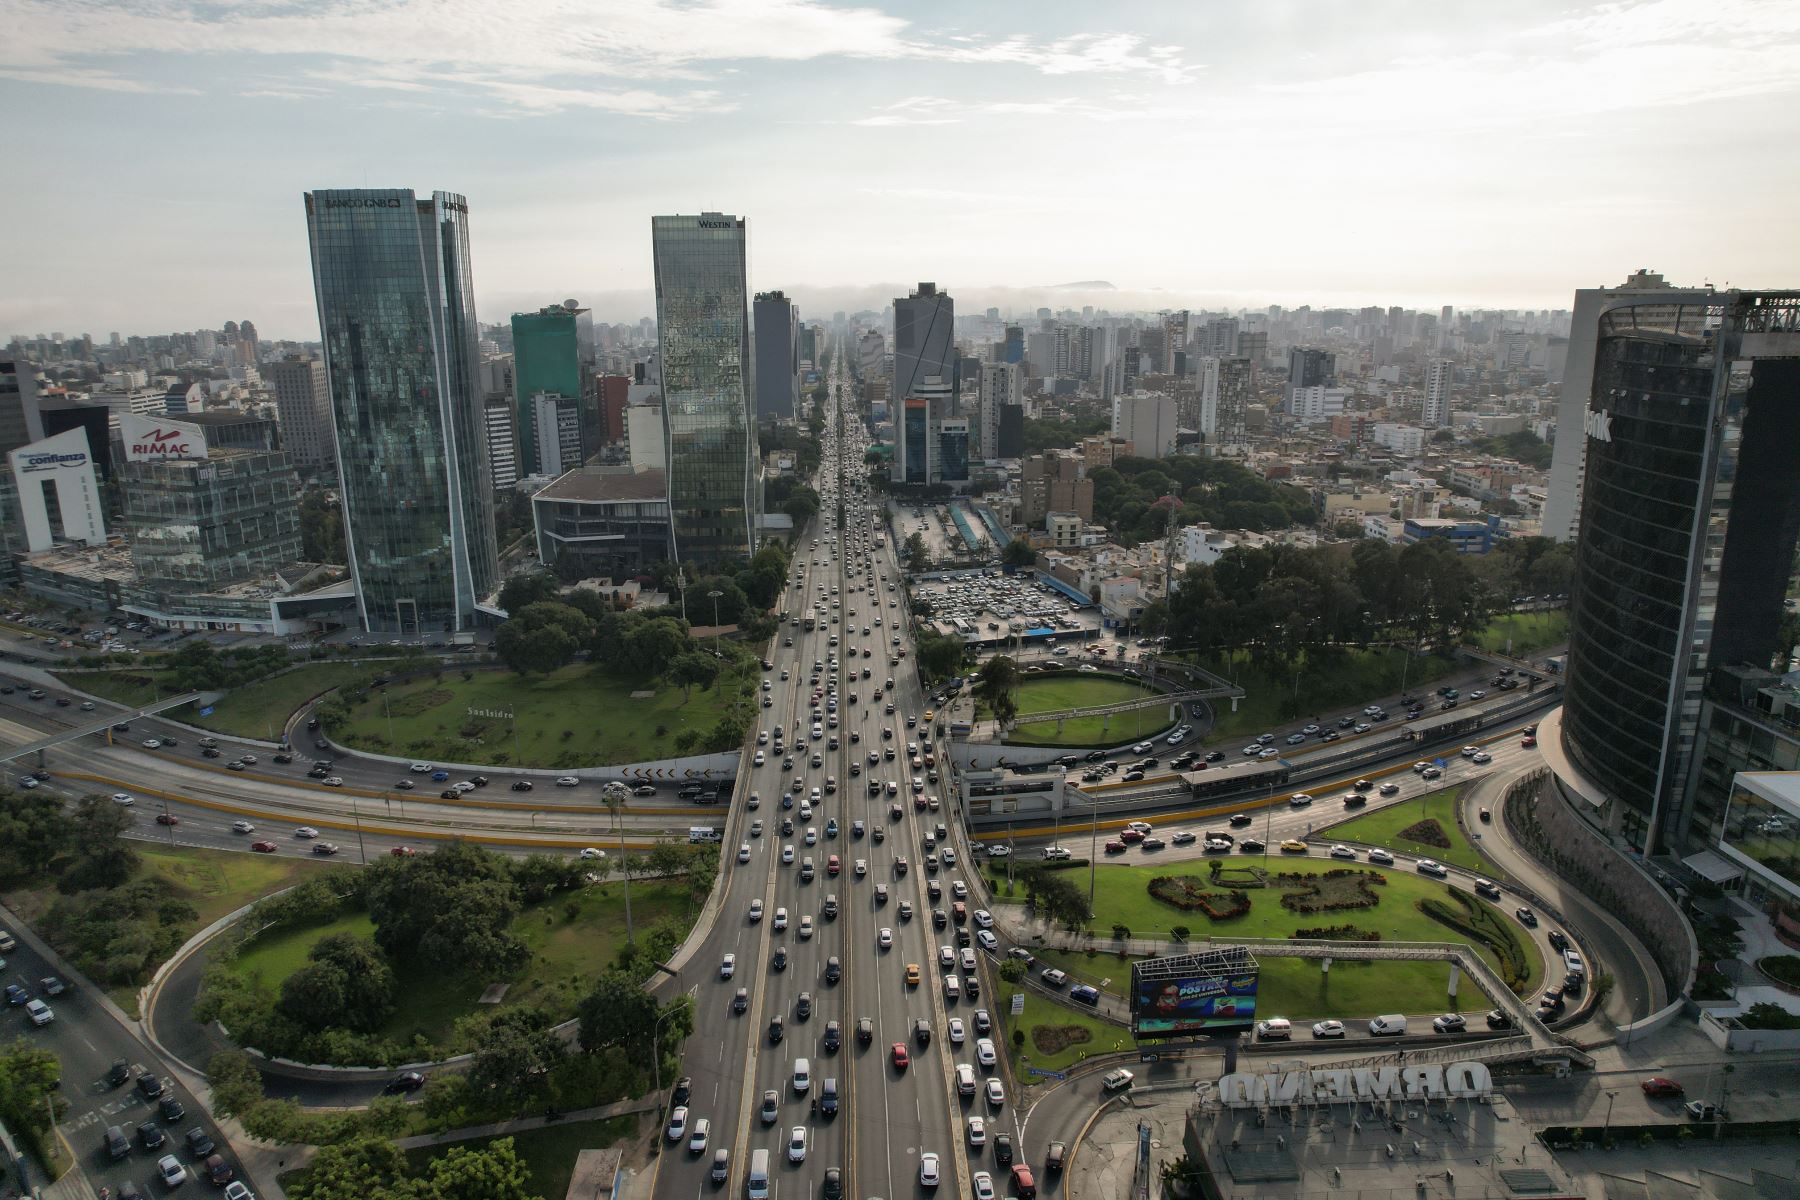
x=640, y=1104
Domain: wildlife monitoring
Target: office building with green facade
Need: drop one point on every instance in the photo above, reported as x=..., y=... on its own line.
x=546, y=361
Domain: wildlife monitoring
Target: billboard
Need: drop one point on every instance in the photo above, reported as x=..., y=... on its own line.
x=1193, y=993
x=148, y=439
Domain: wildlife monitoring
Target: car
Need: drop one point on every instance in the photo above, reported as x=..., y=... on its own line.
x=771, y=1106
x=1700, y=1110
x=981, y=1185
x=1342, y=851
x=678, y=1120
x=1113, y=1081
x=1526, y=917
x=150, y=1135
x=264, y=847
x=1449, y=1023
x=885, y=939
x=728, y=966
x=1293, y=846
x=233, y=1191
x=52, y=985
x=149, y=1086
x=242, y=827
x=1431, y=866
x=977, y=1130
x=568, y=781
x=1661, y=1087
x=1389, y=789
x=1328, y=1029
x=306, y=831
x=170, y=1171
x=898, y=1057
x=1498, y=1019
x=929, y=1170
x=1378, y=855
x=170, y=1108
x=913, y=974
x=325, y=848
x=1559, y=941
x=403, y=1084
x=199, y=1142
x=39, y=1012
x=125, y=799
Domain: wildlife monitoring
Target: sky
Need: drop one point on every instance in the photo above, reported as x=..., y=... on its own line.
x=1185, y=153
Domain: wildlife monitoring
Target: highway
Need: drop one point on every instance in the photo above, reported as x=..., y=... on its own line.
x=889, y=1116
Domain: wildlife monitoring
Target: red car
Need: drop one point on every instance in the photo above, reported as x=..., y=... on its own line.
x=167, y=819
x=402, y=852
x=1023, y=1183
x=1130, y=835
x=1528, y=741
x=263, y=847
x=900, y=1059
x=1656, y=1085
x=1115, y=847
x=833, y=865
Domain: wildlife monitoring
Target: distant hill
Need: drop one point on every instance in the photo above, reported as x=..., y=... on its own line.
x=1085, y=285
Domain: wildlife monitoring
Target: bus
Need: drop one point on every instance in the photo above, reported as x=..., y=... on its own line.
x=1244, y=779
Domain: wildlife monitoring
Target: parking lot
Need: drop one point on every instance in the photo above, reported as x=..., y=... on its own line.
x=990, y=606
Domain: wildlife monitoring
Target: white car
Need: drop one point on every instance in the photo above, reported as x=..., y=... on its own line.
x=39, y=1012
x=759, y=759
x=797, y=1144
x=983, y=918
x=420, y=768
x=1328, y=1029
x=1470, y=751
x=568, y=781
x=977, y=1131
x=728, y=966
x=1341, y=851
x=885, y=939
x=988, y=941
x=743, y=852
x=1112, y=1081
x=957, y=1032
x=306, y=831
x=806, y=926
x=812, y=835
x=242, y=827
x=928, y=1170
x=985, y=1053
x=1378, y=855
x=170, y=1170
x=125, y=798
x=756, y=910
x=697, y=1140
x=967, y=958
x=983, y=1185
x=1140, y=826
x=862, y=866
x=781, y=919
x=999, y=851
x=787, y=855
x=593, y=853
x=1481, y=758
x=152, y=744
x=1431, y=866
x=996, y=1093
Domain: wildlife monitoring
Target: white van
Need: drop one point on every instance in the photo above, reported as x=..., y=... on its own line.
x=1275, y=1029
x=756, y=1184
x=1391, y=1025
x=952, y=987
x=802, y=1076
x=1572, y=963
x=704, y=833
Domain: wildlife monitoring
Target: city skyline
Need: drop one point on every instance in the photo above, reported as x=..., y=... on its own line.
x=1402, y=156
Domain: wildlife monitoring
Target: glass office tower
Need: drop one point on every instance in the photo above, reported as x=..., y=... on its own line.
x=1689, y=516
x=703, y=321
x=546, y=359
x=397, y=317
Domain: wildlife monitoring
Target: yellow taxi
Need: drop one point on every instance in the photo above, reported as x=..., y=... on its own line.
x=912, y=974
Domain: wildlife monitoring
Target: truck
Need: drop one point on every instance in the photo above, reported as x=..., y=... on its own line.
x=810, y=620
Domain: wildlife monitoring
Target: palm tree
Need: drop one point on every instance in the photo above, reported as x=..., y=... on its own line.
x=614, y=795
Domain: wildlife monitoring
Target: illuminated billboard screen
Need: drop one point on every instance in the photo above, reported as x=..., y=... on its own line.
x=1193, y=993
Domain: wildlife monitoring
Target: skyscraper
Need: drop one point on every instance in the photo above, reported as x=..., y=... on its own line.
x=1562, y=501
x=703, y=320
x=546, y=362
x=1439, y=373
x=1689, y=524
x=923, y=343
x=777, y=356
x=21, y=421
x=1000, y=386
x=1309, y=367
x=397, y=318
x=1226, y=389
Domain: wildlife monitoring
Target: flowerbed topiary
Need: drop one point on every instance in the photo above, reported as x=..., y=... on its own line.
x=1185, y=892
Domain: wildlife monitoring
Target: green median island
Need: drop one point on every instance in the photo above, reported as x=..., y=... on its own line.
x=581, y=715
x=255, y=709
x=1071, y=688
x=1426, y=827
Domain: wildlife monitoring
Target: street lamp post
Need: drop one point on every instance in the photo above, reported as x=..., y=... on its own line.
x=356, y=816
x=1607, y=1124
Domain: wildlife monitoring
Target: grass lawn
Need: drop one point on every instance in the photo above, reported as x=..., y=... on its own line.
x=1038, y=694
x=1383, y=829
x=1295, y=987
x=1349, y=681
x=548, y=1151
x=1041, y=1018
x=215, y=882
x=1122, y=896
x=579, y=716
x=257, y=710
x=566, y=955
x=1527, y=632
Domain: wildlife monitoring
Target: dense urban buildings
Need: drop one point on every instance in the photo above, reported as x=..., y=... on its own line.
x=1689, y=526
x=397, y=317
x=702, y=316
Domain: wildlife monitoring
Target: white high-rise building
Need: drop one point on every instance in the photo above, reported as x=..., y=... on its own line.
x=1000, y=385
x=1438, y=374
x=1147, y=421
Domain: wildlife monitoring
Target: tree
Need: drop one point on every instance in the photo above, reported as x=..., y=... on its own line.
x=514, y=1056
x=345, y=984
x=693, y=668
x=667, y=857
x=521, y=591
x=542, y=636
x=30, y=1102
x=33, y=830
x=541, y=876
x=917, y=557
x=939, y=654
x=103, y=858
x=617, y=1012
x=1012, y=970
x=494, y=1172
x=321, y=528
x=455, y=906
x=997, y=686
x=366, y=1168
x=1018, y=553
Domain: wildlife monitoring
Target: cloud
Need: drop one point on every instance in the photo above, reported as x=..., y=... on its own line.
x=543, y=56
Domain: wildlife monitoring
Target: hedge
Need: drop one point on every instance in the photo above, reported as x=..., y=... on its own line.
x=1475, y=921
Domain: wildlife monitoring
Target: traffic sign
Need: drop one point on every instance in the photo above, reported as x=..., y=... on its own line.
x=1043, y=1074
x=207, y=711
x=1018, y=1003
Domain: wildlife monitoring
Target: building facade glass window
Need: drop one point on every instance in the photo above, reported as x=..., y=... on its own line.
x=709, y=430
x=396, y=303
